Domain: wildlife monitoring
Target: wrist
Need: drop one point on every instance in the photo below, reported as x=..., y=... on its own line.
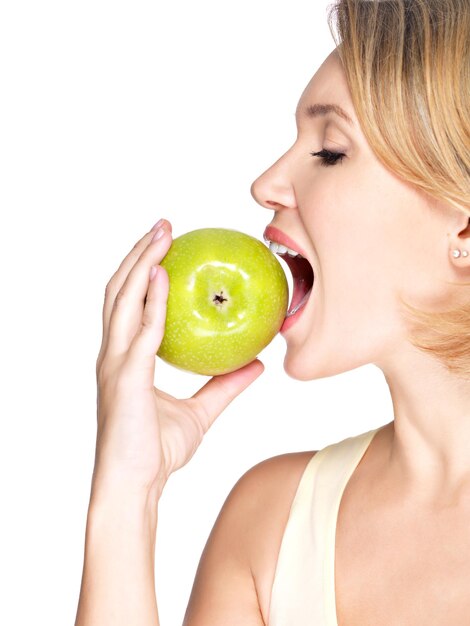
x=118, y=504
x=119, y=554
x=116, y=486
x=112, y=515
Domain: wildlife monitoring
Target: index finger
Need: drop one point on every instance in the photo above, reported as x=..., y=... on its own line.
x=119, y=277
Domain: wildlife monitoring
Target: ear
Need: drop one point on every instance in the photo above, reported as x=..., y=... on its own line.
x=459, y=243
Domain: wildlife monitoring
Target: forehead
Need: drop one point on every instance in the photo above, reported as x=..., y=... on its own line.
x=328, y=85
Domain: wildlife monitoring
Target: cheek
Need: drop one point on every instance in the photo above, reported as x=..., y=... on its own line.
x=347, y=226
x=372, y=239
x=357, y=235
x=368, y=229
x=422, y=253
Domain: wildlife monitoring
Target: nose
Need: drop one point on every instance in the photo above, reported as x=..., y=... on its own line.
x=273, y=189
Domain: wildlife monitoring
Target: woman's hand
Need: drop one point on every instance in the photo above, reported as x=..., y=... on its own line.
x=144, y=434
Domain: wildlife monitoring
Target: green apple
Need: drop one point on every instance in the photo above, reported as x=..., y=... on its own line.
x=228, y=298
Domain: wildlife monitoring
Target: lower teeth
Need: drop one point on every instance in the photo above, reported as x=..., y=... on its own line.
x=300, y=305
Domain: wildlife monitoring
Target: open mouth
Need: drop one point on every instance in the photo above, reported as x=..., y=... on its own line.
x=302, y=274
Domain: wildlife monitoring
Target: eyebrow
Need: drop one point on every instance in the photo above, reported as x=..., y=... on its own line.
x=317, y=110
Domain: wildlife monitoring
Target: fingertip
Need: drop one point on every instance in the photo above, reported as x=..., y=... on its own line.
x=166, y=224
x=163, y=278
x=259, y=365
x=251, y=371
x=162, y=223
x=159, y=286
x=163, y=272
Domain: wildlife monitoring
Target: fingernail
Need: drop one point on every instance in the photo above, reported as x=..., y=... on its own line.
x=155, y=226
x=160, y=232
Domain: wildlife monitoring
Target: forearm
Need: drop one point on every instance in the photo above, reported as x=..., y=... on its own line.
x=118, y=583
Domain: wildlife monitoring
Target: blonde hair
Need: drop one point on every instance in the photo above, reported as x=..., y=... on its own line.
x=407, y=64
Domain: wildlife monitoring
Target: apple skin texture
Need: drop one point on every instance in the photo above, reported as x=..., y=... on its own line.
x=227, y=300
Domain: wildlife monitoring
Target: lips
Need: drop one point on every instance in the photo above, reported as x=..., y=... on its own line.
x=302, y=271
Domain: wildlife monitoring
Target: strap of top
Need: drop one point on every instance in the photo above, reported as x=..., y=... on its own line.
x=303, y=591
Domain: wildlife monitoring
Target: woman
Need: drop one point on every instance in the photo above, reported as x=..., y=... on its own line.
x=375, y=193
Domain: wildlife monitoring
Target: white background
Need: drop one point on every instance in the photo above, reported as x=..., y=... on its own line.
x=112, y=115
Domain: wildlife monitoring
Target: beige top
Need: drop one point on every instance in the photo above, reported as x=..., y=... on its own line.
x=303, y=592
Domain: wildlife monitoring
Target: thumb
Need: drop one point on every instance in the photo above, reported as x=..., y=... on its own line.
x=219, y=391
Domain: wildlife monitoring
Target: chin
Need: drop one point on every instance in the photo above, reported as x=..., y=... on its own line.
x=302, y=365
x=299, y=367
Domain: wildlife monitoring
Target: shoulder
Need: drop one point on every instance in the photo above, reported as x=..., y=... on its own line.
x=271, y=479
x=236, y=572
x=259, y=503
x=264, y=495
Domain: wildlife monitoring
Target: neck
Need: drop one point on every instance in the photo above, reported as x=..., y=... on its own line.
x=430, y=439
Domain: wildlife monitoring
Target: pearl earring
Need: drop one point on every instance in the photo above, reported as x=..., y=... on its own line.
x=456, y=253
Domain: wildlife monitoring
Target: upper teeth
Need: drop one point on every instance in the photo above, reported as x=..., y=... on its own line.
x=277, y=248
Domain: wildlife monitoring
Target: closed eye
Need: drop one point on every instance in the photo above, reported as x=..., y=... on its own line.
x=329, y=158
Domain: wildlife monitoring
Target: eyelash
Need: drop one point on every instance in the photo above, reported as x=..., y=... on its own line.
x=329, y=158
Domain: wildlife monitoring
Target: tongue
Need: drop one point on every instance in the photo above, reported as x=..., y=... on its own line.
x=302, y=275
x=293, y=309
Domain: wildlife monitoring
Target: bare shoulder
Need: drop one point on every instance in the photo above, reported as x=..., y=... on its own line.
x=236, y=571
x=276, y=481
